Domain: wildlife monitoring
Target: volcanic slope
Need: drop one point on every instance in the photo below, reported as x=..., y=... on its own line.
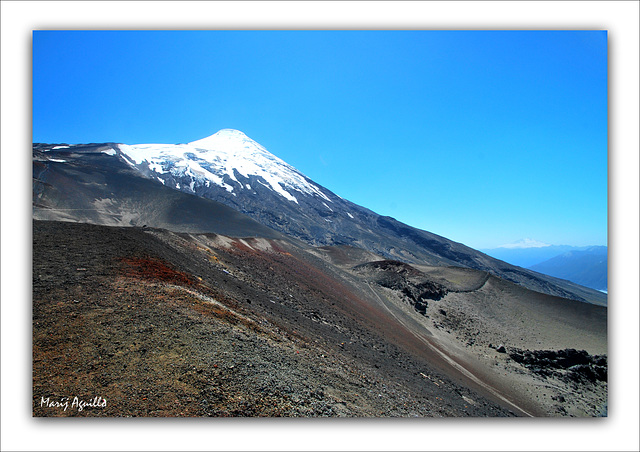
x=548, y=353
x=234, y=170
x=189, y=324
x=166, y=324
x=88, y=184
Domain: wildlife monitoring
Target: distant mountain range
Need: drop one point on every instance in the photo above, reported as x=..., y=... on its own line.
x=584, y=265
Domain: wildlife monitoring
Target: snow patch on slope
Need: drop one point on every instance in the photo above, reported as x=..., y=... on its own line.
x=226, y=153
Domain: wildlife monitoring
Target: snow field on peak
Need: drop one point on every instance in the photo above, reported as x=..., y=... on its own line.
x=225, y=153
x=247, y=157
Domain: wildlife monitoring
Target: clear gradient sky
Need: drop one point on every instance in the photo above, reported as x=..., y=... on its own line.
x=482, y=137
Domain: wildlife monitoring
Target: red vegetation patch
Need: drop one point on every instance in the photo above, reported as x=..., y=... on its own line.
x=155, y=270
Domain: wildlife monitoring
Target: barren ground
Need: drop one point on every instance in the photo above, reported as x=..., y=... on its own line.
x=167, y=324
x=115, y=317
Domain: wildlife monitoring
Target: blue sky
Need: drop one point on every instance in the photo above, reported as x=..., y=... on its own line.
x=482, y=137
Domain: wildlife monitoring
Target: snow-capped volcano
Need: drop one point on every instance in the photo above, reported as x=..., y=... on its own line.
x=231, y=168
x=220, y=159
x=525, y=243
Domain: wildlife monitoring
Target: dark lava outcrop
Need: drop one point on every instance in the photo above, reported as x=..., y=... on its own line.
x=568, y=364
x=414, y=285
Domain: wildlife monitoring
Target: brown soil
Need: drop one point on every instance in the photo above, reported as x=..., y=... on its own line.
x=164, y=324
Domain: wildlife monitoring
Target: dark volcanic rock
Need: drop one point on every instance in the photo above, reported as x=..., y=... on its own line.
x=416, y=287
x=568, y=364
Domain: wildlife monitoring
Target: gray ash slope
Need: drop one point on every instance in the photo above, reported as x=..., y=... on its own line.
x=83, y=184
x=207, y=325
x=223, y=343
x=234, y=170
